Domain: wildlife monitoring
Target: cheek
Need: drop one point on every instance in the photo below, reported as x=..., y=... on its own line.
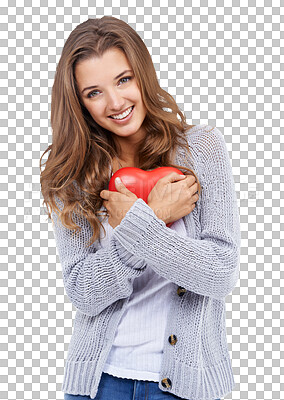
x=134, y=93
x=95, y=112
x=143, y=109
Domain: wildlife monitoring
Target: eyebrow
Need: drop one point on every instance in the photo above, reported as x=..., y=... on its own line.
x=118, y=76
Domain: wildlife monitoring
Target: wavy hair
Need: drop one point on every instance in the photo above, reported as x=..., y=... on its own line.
x=80, y=157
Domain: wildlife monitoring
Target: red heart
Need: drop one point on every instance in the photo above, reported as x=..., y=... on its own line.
x=141, y=182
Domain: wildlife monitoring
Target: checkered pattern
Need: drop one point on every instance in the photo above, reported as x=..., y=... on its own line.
x=222, y=63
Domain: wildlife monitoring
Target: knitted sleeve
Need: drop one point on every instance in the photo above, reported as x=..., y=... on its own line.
x=208, y=266
x=93, y=278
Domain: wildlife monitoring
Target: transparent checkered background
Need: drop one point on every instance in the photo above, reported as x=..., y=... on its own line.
x=223, y=63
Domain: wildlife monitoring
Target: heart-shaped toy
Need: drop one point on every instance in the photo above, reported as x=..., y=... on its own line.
x=141, y=182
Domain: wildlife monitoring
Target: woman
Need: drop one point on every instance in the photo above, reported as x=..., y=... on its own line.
x=150, y=300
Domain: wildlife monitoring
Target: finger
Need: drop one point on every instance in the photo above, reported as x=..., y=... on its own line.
x=195, y=198
x=191, y=181
x=193, y=186
x=173, y=177
x=120, y=186
x=104, y=194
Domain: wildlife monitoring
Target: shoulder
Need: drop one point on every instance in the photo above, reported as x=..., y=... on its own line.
x=204, y=133
x=205, y=140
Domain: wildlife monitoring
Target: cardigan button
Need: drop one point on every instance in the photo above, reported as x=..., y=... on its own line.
x=166, y=383
x=181, y=291
x=172, y=339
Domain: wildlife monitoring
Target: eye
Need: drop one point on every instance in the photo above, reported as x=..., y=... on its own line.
x=90, y=94
x=126, y=77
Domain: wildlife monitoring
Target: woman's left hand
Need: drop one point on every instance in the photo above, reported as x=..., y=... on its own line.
x=117, y=203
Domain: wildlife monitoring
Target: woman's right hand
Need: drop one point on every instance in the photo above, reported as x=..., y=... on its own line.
x=173, y=197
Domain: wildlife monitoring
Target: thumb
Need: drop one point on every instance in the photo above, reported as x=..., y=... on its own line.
x=175, y=177
x=120, y=186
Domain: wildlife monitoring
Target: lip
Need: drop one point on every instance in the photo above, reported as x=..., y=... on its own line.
x=123, y=121
x=122, y=111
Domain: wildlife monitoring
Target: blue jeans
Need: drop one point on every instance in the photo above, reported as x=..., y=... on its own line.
x=113, y=388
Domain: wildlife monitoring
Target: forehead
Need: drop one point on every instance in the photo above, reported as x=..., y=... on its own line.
x=106, y=67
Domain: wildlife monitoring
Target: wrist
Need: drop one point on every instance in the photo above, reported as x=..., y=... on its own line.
x=161, y=214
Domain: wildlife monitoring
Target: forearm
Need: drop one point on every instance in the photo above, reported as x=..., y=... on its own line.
x=205, y=266
x=95, y=278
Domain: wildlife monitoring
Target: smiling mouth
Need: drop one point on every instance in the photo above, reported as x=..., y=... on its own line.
x=120, y=119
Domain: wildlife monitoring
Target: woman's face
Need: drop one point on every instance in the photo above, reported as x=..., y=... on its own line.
x=114, y=93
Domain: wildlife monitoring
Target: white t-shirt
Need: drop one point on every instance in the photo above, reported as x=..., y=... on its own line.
x=137, y=349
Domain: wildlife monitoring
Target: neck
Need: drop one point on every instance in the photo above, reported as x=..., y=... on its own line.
x=119, y=163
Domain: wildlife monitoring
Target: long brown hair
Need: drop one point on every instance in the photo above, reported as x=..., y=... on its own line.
x=81, y=153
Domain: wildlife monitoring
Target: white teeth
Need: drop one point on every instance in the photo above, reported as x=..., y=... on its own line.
x=123, y=115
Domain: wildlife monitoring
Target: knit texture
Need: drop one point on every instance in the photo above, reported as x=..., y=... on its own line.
x=137, y=349
x=99, y=281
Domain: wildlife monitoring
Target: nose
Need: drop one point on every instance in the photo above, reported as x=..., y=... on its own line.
x=115, y=101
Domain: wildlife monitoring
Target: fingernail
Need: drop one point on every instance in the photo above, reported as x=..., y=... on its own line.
x=117, y=180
